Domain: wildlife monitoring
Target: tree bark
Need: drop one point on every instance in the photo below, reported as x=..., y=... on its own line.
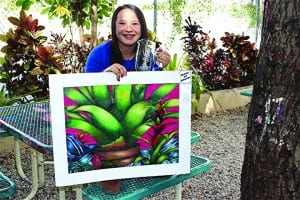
x=271, y=168
x=80, y=28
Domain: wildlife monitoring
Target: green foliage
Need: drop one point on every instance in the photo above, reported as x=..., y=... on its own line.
x=201, y=8
x=9, y=5
x=78, y=12
x=173, y=65
x=175, y=7
x=242, y=10
x=198, y=87
x=6, y=100
x=71, y=11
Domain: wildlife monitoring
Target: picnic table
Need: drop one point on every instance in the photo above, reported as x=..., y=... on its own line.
x=31, y=124
x=27, y=124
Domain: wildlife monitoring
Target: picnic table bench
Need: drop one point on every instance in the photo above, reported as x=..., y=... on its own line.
x=7, y=186
x=31, y=124
x=247, y=93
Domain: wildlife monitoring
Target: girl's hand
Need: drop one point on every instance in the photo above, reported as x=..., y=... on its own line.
x=162, y=57
x=119, y=70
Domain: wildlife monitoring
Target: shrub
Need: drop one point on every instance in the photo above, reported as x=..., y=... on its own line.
x=231, y=66
x=28, y=60
x=74, y=55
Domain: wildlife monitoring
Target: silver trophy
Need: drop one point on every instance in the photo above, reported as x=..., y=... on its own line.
x=145, y=55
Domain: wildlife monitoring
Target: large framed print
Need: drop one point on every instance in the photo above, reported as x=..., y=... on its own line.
x=104, y=129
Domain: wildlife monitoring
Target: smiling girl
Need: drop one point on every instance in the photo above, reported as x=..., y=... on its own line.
x=128, y=25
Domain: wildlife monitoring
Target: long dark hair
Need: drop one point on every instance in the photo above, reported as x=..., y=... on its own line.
x=116, y=55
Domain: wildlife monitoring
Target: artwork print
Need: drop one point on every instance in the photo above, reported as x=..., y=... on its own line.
x=104, y=129
x=111, y=126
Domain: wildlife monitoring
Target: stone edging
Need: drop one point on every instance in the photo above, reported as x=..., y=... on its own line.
x=226, y=99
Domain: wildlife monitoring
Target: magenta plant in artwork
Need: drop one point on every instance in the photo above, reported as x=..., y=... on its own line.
x=139, y=122
x=231, y=66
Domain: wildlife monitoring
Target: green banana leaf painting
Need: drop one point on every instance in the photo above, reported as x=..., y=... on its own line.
x=139, y=119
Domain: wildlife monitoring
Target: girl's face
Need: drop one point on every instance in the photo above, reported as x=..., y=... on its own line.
x=128, y=27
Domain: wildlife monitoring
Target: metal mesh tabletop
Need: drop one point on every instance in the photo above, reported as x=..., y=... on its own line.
x=30, y=123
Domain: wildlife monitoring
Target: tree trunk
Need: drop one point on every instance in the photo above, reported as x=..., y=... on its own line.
x=94, y=21
x=271, y=168
x=80, y=28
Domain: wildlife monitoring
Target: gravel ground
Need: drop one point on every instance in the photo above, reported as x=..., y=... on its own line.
x=223, y=136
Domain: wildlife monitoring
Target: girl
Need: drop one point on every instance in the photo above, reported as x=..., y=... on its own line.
x=128, y=25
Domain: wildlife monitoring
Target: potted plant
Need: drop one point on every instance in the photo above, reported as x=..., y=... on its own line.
x=111, y=120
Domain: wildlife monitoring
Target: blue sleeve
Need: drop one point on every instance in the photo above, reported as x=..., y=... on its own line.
x=98, y=59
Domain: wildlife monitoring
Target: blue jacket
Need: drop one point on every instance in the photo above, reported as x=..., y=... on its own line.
x=99, y=59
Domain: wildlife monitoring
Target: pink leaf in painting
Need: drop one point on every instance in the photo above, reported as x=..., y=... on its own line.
x=69, y=102
x=168, y=121
x=174, y=94
x=169, y=128
x=145, y=141
x=150, y=89
x=172, y=109
x=85, y=138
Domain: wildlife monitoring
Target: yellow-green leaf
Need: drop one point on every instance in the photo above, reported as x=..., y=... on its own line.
x=62, y=11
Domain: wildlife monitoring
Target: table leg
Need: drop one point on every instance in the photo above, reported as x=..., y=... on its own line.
x=35, y=179
x=41, y=169
x=37, y=165
x=19, y=162
x=178, y=189
x=62, y=193
x=78, y=189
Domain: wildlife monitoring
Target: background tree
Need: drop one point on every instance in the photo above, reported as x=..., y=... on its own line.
x=271, y=168
x=84, y=13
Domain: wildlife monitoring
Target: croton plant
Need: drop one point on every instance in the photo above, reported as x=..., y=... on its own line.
x=28, y=59
x=231, y=66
